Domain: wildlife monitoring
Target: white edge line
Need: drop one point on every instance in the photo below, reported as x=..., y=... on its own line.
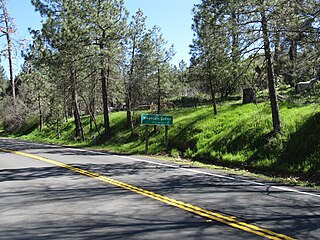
x=190, y=170
x=220, y=176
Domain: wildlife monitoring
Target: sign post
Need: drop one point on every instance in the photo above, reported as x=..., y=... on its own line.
x=158, y=120
x=166, y=137
x=147, y=139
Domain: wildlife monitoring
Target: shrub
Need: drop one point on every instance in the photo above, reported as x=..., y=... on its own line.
x=13, y=116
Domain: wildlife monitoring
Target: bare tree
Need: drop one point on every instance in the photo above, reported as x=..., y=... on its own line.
x=7, y=28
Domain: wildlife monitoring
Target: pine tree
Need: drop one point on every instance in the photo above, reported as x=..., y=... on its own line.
x=137, y=31
x=106, y=22
x=228, y=31
x=66, y=37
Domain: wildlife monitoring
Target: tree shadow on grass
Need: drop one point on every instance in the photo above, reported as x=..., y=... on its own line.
x=299, y=156
x=238, y=138
x=183, y=136
x=302, y=152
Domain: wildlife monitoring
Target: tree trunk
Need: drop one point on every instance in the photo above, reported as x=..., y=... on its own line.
x=92, y=107
x=91, y=122
x=159, y=97
x=65, y=106
x=92, y=103
x=76, y=112
x=58, y=128
x=129, y=109
x=276, y=56
x=159, y=92
x=104, y=79
x=40, y=113
x=129, y=87
x=11, y=69
x=271, y=84
x=213, y=92
x=213, y=97
x=7, y=32
x=249, y=96
x=292, y=57
x=235, y=38
x=104, y=87
x=129, y=113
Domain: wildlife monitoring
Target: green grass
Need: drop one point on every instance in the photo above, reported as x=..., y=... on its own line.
x=239, y=137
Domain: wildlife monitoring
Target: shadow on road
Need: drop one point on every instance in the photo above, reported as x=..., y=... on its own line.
x=252, y=203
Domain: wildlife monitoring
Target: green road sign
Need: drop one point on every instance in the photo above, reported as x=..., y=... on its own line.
x=155, y=119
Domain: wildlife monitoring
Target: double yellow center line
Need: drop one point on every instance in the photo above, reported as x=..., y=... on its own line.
x=227, y=220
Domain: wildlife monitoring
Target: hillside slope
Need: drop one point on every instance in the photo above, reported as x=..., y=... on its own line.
x=238, y=137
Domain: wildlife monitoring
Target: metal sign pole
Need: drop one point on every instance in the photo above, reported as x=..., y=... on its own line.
x=166, y=137
x=147, y=139
x=156, y=120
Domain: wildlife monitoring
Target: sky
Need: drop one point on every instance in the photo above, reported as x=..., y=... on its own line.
x=174, y=17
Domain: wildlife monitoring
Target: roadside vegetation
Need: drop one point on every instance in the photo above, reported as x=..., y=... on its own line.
x=86, y=84
x=238, y=137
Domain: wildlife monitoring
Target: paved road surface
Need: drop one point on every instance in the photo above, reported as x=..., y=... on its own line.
x=52, y=192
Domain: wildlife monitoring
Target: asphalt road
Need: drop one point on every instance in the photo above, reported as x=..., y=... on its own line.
x=63, y=193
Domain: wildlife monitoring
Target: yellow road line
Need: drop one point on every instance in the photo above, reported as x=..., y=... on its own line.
x=230, y=221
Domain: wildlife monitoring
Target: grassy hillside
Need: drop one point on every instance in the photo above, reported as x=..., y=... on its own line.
x=238, y=137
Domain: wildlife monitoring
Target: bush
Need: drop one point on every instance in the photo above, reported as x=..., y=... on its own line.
x=187, y=102
x=13, y=117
